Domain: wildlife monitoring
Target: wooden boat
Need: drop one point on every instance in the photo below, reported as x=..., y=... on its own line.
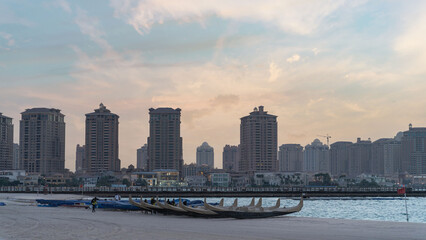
x=171, y=209
x=200, y=211
x=150, y=207
x=141, y=206
x=254, y=212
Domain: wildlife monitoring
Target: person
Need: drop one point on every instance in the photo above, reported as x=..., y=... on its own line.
x=94, y=202
x=117, y=197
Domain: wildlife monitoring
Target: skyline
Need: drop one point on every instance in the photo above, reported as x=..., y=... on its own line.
x=331, y=67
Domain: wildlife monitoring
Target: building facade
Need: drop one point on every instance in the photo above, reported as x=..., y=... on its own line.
x=16, y=156
x=316, y=157
x=80, y=156
x=386, y=155
x=339, y=158
x=205, y=155
x=290, y=158
x=101, y=141
x=164, y=141
x=413, y=151
x=258, y=141
x=360, y=158
x=142, y=157
x=230, y=158
x=42, y=141
x=6, y=143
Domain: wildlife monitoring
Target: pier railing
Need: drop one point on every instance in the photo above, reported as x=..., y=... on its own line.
x=216, y=191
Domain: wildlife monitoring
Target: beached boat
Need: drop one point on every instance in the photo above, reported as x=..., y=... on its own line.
x=200, y=211
x=254, y=212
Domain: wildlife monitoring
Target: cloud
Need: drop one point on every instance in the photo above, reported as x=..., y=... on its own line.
x=63, y=4
x=9, y=39
x=90, y=26
x=291, y=16
x=294, y=58
x=7, y=16
x=315, y=51
x=274, y=72
x=410, y=43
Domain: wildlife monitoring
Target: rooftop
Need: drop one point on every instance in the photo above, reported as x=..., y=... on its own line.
x=164, y=110
x=42, y=110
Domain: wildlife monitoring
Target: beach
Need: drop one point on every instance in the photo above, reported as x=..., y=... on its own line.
x=22, y=219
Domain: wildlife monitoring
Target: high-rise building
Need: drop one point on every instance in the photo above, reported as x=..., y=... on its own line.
x=42, y=141
x=230, y=158
x=164, y=141
x=316, y=157
x=101, y=141
x=205, y=155
x=6, y=143
x=142, y=157
x=392, y=158
x=16, y=156
x=385, y=156
x=378, y=156
x=360, y=158
x=258, y=142
x=290, y=158
x=413, y=151
x=339, y=158
x=80, y=157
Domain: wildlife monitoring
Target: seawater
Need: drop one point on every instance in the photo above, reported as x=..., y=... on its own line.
x=378, y=209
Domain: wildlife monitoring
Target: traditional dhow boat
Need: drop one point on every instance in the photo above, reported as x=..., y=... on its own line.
x=200, y=211
x=254, y=212
x=149, y=206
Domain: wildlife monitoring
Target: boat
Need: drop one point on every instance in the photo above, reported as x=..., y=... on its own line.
x=254, y=212
x=138, y=204
x=200, y=211
x=156, y=207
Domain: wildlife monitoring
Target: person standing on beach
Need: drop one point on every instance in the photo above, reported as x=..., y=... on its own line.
x=94, y=202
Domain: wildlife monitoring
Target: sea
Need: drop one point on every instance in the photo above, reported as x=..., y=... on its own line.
x=368, y=208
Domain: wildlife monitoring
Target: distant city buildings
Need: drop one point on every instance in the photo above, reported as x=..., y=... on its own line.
x=6, y=143
x=164, y=141
x=258, y=141
x=41, y=150
x=101, y=141
x=205, y=155
x=80, y=156
x=230, y=158
x=316, y=157
x=413, y=151
x=339, y=158
x=42, y=141
x=142, y=157
x=16, y=156
x=290, y=158
x=360, y=158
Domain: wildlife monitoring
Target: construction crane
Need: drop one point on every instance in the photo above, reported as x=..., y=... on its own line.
x=328, y=138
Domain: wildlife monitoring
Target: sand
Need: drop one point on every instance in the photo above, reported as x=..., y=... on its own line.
x=22, y=219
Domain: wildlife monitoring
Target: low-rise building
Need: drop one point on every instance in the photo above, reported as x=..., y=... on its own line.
x=149, y=177
x=11, y=175
x=56, y=179
x=29, y=180
x=196, y=181
x=220, y=179
x=167, y=177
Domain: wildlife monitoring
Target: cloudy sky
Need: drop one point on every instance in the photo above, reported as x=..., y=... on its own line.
x=345, y=68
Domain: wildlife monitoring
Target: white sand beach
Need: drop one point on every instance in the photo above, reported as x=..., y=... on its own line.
x=22, y=219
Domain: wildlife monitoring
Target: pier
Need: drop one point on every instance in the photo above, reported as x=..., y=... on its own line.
x=219, y=191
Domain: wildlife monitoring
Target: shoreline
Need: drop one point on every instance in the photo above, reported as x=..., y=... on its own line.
x=26, y=221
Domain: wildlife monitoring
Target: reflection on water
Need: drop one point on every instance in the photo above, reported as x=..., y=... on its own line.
x=380, y=209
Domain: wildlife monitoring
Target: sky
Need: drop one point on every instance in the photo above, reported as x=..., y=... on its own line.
x=345, y=68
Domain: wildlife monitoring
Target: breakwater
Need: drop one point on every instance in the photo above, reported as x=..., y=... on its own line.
x=219, y=191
